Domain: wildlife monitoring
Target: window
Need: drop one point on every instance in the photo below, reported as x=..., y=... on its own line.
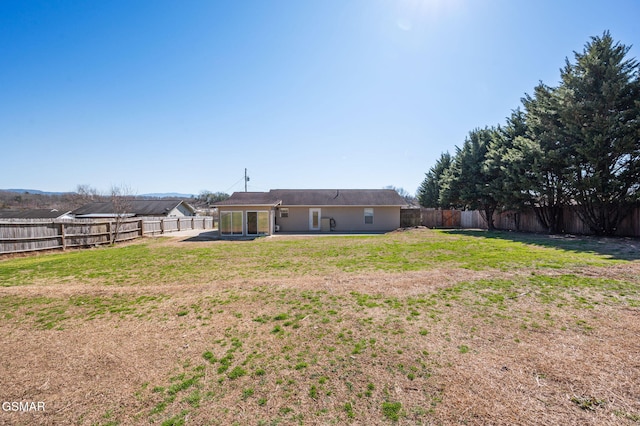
x=284, y=212
x=368, y=216
x=231, y=223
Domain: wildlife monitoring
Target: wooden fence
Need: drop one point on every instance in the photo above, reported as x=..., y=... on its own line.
x=410, y=217
x=26, y=235
x=521, y=221
x=438, y=218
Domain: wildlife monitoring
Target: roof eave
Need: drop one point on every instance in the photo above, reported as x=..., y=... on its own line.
x=342, y=205
x=247, y=205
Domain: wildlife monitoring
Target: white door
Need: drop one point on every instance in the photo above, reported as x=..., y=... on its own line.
x=314, y=219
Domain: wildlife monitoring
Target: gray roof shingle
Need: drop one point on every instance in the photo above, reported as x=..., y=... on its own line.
x=32, y=214
x=317, y=197
x=136, y=207
x=249, y=198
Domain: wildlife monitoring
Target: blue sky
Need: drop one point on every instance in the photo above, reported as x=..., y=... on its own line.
x=182, y=96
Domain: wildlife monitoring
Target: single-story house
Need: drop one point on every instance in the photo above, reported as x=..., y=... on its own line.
x=309, y=210
x=35, y=214
x=133, y=208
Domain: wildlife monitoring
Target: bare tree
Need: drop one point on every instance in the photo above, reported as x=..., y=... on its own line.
x=120, y=198
x=410, y=199
x=85, y=194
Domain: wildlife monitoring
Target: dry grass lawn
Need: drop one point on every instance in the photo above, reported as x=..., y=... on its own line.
x=416, y=327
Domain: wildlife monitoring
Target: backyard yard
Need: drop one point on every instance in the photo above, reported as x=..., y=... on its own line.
x=410, y=327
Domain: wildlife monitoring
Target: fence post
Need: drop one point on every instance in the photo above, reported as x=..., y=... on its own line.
x=161, y=226
x=62, y=236
x=141, y=228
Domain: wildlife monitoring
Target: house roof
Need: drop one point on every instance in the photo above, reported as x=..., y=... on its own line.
x=132, y=207
x=339, y=197
x=249, y=198
x=316, y=197
x=32, y=214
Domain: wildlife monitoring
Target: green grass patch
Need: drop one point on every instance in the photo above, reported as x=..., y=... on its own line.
x=53, y=313
x=392, y=410
x=149, y=261
x=236, y=372
x=348, y=409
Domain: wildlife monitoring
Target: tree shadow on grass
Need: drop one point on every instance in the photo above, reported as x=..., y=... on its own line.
x=621, y=248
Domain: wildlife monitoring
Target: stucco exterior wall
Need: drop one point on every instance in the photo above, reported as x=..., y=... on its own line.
x=347, y=219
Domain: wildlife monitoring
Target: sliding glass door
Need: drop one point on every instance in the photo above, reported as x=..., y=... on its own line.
x=231, y=223
x=258, y=223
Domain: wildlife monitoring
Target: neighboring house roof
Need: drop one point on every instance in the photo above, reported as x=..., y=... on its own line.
x=132, y=208
x=32, y=214
x=317, y=197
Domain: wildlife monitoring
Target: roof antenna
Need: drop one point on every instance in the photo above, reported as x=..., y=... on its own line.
x=246, y=179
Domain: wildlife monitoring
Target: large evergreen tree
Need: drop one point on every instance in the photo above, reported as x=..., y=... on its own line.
x=599, y=116
x=429, y=191
x=543, y=158
x=466, y=183
x=501, y=166
x=450, y=182
x=577, y=144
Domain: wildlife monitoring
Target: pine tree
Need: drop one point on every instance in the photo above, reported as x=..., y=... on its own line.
x=466, y=184
x=542, y=155
x=429, y=191
x=600, y=118
x=501, y=167
x=577, y=144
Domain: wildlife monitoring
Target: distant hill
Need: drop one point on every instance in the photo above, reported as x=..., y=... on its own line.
x=34, y=191
x=166, y=195
x=150, y=195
